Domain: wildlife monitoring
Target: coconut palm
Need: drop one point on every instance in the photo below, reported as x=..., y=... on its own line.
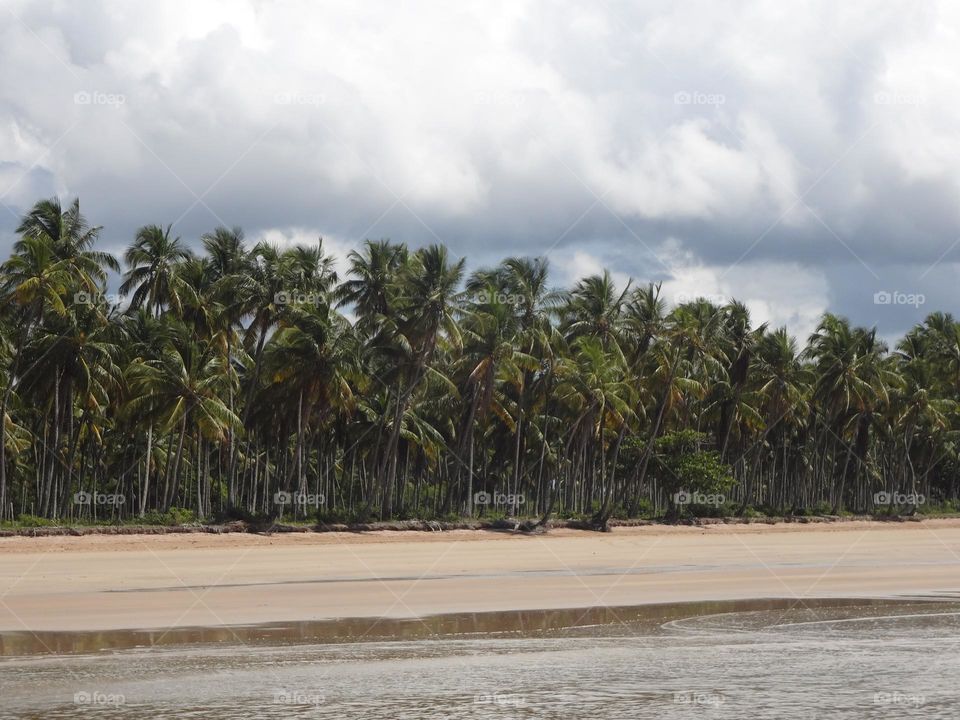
x=233, y=374
x=151, y=264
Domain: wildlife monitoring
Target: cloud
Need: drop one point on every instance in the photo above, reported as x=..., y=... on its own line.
x=798, y=158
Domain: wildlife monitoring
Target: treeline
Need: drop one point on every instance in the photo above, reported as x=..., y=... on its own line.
x=253, y=381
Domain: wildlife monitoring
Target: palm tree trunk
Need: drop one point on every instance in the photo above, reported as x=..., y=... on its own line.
x=654, y=432
x=175, y=471
x=53, y=448
x=7, y=392
x=602, y=518
x=145, y=488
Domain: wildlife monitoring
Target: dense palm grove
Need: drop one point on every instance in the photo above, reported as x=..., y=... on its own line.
x=250, y=381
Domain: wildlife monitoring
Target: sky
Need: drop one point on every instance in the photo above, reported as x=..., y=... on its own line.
x=800, y=157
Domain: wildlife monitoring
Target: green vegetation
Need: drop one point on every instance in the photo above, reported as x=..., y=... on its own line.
x=232, y=384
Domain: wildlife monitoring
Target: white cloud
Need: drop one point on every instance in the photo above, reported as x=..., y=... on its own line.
x=776, y=293
x=506, y=128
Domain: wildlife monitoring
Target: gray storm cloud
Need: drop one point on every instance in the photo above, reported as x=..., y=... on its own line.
x=802, y=158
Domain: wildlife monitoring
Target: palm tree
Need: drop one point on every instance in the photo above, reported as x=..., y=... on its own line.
x=34, y=283
x=783, y=383
x=232, y=374
x=182, y=390
x=56, y=247
x=426, y=297
x=151, y=261
x=679, y=361
x=852, y=384
x=595, y=309
x=308, y=365
x=598, y=390
x=490, y=357
x=71, y=239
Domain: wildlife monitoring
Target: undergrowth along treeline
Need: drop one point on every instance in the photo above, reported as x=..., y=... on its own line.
x=231, y=382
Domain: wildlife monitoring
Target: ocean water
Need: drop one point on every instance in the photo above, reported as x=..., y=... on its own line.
x=766, y=659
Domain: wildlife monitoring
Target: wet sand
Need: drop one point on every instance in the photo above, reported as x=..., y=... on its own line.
x=174, y=581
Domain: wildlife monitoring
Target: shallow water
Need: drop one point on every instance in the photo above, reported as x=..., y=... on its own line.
x=765, y=659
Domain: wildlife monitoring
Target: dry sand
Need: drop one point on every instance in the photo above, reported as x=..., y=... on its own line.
x=104, y=582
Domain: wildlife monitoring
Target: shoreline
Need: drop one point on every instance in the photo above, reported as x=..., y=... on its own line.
x=497, y=623
x=114, y=582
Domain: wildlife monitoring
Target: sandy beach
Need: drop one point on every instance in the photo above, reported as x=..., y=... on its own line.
x=115, y=582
